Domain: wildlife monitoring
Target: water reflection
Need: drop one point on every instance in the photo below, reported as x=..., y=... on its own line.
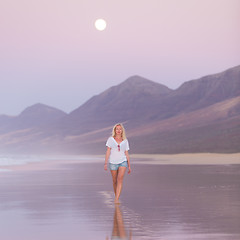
x=119, y=231
x=158, y=202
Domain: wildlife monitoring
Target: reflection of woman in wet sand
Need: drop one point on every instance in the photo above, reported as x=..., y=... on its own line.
x=117, y=154
x=119, y=232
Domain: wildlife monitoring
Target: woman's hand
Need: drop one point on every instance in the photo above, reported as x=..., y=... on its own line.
x=129, y=170
x=105, y=166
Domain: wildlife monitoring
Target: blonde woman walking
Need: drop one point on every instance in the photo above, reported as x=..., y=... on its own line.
x=118, y=157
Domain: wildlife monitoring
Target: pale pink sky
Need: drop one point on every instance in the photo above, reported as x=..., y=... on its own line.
x=51, y=52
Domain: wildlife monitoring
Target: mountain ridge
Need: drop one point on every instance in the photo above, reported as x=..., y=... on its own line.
x=158, y=119
x=120, y=98
x=31, y=117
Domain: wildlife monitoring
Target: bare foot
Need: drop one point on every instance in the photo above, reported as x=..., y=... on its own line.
x=116, y=201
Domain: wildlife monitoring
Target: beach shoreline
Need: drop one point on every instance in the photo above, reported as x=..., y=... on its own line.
x=157, y=159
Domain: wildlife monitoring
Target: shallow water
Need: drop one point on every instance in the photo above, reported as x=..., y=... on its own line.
x=75, y=201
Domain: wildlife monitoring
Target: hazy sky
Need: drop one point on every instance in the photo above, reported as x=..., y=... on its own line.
x=50, y=51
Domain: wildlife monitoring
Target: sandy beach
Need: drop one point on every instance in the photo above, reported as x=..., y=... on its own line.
x=189, y=158
x=163, y=198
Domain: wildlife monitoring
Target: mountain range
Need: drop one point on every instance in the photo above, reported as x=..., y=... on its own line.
x=202, y=115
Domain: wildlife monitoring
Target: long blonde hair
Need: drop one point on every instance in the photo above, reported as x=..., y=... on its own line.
x=123, y=131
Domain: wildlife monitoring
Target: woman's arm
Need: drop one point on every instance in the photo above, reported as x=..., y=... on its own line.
x=128, y=160
x=107, y=157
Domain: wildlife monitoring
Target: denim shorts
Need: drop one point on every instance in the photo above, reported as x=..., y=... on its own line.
x=116, y=166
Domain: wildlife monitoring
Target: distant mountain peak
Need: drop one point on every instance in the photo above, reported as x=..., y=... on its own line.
x=136, y=79
x=143, y=84
x=40, y=108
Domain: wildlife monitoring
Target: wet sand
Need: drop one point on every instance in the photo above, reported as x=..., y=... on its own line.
x=74, y=200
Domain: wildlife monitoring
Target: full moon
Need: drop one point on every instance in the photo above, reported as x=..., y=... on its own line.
x=100, y=24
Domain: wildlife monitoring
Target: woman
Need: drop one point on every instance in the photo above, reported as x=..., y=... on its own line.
x=117, y=154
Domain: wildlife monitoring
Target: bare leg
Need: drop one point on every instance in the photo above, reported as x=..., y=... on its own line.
x=120, y=175
x=118, y=224
x=114, y=179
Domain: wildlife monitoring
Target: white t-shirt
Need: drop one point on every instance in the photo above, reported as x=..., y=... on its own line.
x=117, y=156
